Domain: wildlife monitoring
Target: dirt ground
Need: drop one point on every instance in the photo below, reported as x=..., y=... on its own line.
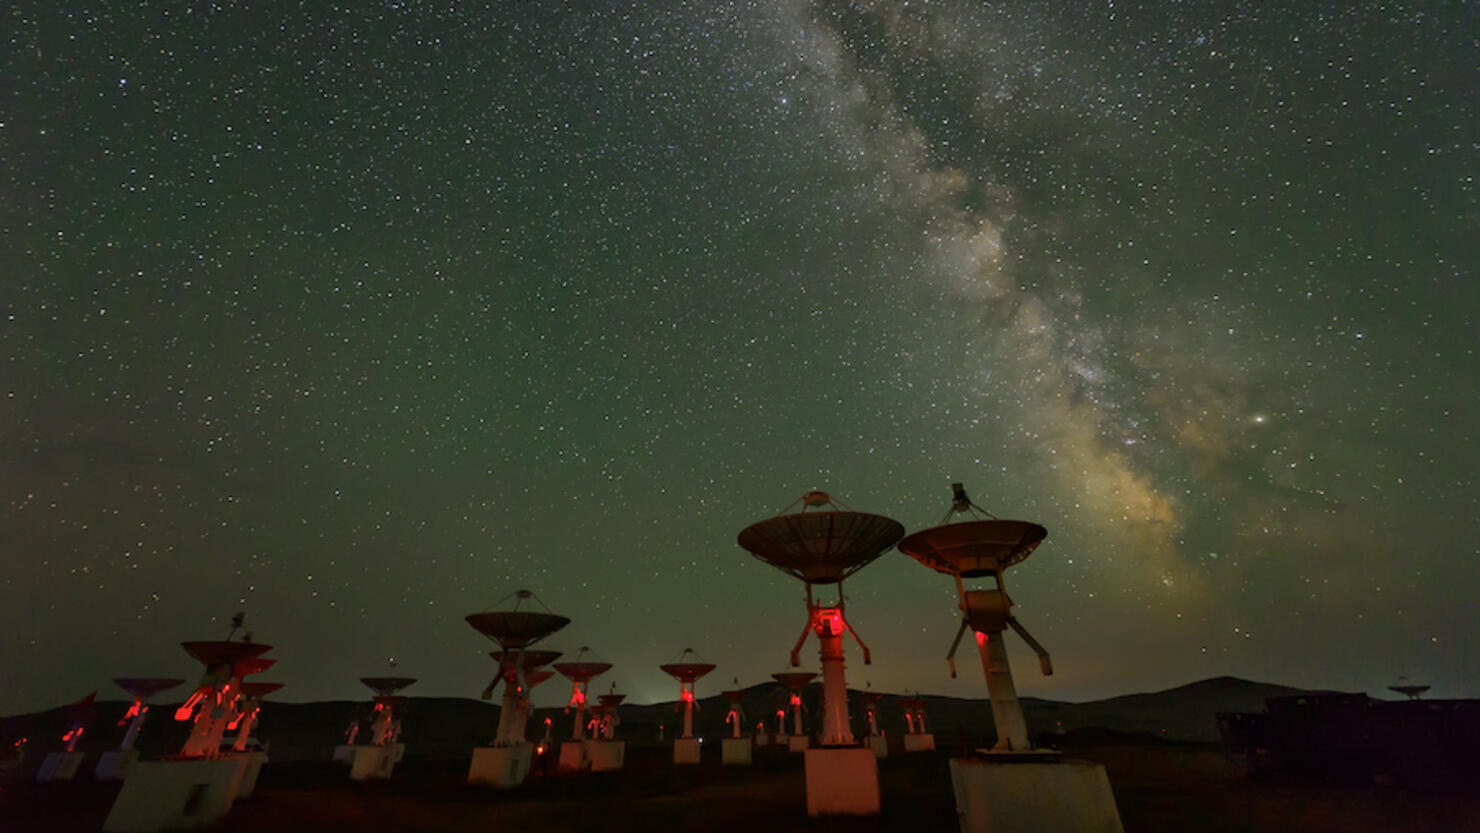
x=1158, y=788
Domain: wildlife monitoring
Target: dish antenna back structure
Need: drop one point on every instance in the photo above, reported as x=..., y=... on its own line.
x=823, y=546
x=507, y=762
x=1012, y=786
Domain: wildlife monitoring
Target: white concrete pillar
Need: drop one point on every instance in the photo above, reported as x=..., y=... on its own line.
x=1007, y=712
x=835, y=729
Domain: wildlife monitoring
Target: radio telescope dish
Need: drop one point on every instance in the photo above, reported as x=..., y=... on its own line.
x=820, y=547
x=972, y=549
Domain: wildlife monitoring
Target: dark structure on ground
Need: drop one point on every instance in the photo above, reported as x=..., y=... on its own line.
x=1336, y=737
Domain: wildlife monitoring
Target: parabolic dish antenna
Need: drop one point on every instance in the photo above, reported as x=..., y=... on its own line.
x=259, y=690
x=820, y=547
x=145, y=687
x=972, y=549
x=795, y=680
x=386, y=686
x=224, y=653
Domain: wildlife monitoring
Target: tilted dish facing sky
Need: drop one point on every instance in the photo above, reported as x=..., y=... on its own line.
x=360, y=318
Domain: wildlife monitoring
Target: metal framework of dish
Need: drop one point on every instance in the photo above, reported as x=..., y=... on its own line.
x=985, y=548
x=514, y=630
x=687, y=672
x=824, y=547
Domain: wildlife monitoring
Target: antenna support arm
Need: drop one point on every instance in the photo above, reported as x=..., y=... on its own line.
x=867, y=657
x=1043, y=661
x=956, y=643
x=796, y=650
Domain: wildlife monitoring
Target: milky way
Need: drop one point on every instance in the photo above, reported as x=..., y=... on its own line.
x=360, y=318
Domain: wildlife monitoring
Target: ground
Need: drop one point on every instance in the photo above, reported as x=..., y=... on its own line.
x=1158, y=788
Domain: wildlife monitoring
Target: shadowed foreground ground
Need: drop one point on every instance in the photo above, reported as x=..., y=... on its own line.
x=1158, y=788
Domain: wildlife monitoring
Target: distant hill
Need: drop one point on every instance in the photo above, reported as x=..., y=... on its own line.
x=451, y=726
x=1188, y=712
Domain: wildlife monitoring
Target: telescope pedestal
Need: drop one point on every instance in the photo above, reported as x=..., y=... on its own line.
x=798, y=743
x=686, y=750
x=919, y=742
x=736, y=751
x=168, y=795
x=114, y=764
x=59, y=766
x=1021, y=794
x=842, y=780
x=372, y=763
x=607, y=755
x=880, y=745
x=249, y=772
x=504, y=767
x=573, y=756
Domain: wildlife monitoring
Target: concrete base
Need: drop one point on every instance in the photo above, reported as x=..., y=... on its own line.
x=114, y=763
x=842, y=780
x=919, y=743
x=249, y=772
x=1007, y=794
x=504, y=767
x=372, y=763
x=762, y=740
x=573, y=757
x=607, y=755
x=168, y=795
x=59, y=766
x=344, y=753
x=880, y=745
x=798, y=743
x=736, y=751
x=686, y=750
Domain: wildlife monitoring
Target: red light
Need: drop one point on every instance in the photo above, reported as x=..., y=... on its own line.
x=796, y=700
x=182, y=714
x=688, y=696
x=981, y=638
x=133, y=711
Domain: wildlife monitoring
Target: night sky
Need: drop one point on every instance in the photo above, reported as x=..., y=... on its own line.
x=361, y=318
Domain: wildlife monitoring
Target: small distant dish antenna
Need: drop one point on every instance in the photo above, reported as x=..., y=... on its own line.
x=1407, y=689
x=689, y=669
x=581, y=671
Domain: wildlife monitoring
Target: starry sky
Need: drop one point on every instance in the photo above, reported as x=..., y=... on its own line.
x=360, y=317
